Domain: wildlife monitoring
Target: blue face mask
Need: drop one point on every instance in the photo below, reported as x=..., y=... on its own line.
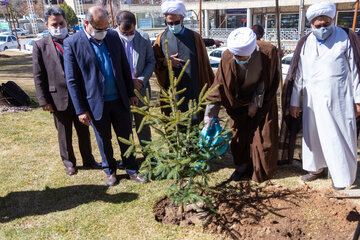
x=175, y=29
x=241, y=62
x=323, y=33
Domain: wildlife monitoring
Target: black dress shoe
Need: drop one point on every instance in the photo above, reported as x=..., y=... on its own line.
x=111, y=180
x=93, y=165
x=70, y=171
x=237, y=176
x=137, y=178
x=121, y=165
x=313, y=176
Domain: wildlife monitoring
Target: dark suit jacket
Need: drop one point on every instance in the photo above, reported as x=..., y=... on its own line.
x=49, y=75
x=83, y=74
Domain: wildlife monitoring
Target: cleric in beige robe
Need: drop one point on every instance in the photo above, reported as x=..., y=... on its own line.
x=248, y=79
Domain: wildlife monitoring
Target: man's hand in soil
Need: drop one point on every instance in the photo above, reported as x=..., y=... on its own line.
x=48, y=107
x=85, y=118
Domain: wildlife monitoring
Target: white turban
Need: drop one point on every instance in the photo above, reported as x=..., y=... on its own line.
x=322, y=8
x=173, y=7
x=242, y=41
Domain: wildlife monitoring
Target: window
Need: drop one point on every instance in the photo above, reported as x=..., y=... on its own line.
x=216, y=53
x=2, y=39
x=236, y=21
x=257, y=19
x=214, y=65
x=345, y=19
x=9, y=39
x=13, y=38
x=289, y=20
x=287, y=60
x=271, y=21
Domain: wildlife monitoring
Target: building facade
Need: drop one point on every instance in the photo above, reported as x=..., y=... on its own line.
x=225, y=15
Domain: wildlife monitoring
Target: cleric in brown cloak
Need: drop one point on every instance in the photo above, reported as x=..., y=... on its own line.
x=183, y=44
x=248, y=79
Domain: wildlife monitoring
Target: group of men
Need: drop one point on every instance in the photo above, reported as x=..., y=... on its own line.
x=88, y=79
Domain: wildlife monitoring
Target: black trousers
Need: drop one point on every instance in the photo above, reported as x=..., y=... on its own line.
x=64, y=121
x=115, y=115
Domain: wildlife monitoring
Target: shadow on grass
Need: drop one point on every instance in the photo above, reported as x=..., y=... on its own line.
x=289, y=170
x=226, y=161
x=29, y=203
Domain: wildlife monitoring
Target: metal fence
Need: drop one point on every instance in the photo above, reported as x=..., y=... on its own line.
x=288, y=36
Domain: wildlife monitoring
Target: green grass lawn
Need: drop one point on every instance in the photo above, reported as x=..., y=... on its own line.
x=38, y=201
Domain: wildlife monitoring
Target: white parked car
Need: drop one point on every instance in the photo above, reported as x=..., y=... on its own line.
x=215, y=56
x=21, y=31
x=6, y=33
x=7, y=42
x=285, y=62
x=43, y=34
x=29, y=45
x=216, y=53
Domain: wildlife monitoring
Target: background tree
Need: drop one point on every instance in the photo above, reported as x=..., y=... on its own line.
x=70, y=15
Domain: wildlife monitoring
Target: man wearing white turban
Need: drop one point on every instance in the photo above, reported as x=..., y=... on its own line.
x=248, y=79
x=183, y=44
x=325, y=72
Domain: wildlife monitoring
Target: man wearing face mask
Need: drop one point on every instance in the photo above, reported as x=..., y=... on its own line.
x=141, y=59
x=53, y=95
x=248, y=79
x=100, y=83
x=324, y=70
x=183, y=44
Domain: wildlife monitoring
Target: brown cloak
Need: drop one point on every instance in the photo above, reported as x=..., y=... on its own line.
x=206, y=74
x=255, y=140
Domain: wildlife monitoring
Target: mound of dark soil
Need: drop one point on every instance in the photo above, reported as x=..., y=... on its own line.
x=272, y=212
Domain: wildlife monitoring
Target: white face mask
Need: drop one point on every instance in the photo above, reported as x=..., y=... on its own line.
x=59, y=33
x=241, y=62
x=323, y=33
x=98, y=35
x=127, y=38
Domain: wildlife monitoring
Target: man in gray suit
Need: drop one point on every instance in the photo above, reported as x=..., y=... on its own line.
x=141, y=59
x=53, y=95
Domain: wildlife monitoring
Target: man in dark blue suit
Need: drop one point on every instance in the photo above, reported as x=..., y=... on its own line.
x=100, y=83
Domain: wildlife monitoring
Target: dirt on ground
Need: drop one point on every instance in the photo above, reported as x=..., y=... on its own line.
x=271, y=212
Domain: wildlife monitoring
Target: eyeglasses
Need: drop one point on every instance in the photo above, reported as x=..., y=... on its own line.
x=172, y=23
x=100, y=29
x=326, y=24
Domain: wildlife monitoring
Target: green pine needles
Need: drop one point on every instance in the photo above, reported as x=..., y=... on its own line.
x=174, y=152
